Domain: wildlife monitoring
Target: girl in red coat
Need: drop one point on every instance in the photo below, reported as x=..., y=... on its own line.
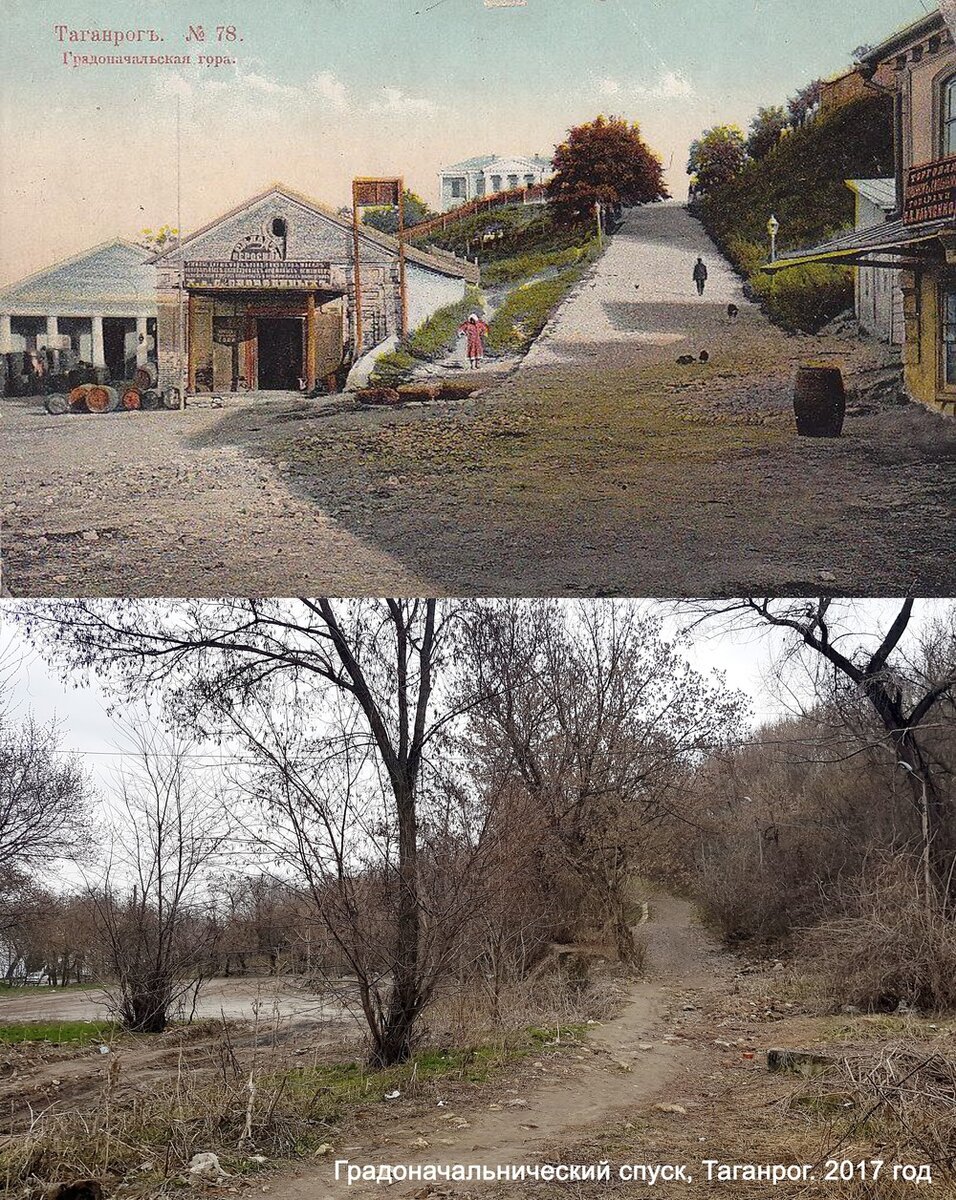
x=475, y=329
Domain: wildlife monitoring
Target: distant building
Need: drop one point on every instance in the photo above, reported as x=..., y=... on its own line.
x=488, y=174
x=879, y=292
x=101, y=304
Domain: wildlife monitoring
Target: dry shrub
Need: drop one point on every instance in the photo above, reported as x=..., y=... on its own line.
x=889, y=947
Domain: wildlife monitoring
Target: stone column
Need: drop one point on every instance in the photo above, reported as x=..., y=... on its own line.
x=99, y=354
x=52, y=327
x=6, y=334
x=141, y=348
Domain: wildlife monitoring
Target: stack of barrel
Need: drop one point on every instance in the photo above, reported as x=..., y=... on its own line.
x=93, y=396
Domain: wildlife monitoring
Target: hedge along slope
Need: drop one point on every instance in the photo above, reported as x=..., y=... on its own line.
x=802, y=182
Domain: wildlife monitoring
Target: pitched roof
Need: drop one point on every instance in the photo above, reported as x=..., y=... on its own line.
x=485, y=160
x=113, y=275
x=444, y=264
x=472, y=164
x=881, y=192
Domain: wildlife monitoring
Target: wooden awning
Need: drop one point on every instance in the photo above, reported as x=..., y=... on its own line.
x=893, y=245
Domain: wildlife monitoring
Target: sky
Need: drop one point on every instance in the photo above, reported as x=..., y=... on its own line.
x=747, y=660
x=322, y=90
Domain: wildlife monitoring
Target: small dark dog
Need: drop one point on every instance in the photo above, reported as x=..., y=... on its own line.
x=685, y=360
x=733, y=312
x=704, y=356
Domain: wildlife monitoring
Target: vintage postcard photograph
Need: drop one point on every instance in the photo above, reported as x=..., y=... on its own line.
x=618, y=297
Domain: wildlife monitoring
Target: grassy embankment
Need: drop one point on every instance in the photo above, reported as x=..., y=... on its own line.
x=803, y=183
x=532, y=260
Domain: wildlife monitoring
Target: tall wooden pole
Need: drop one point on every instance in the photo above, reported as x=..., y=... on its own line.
x=357, y=272
x=401, y=257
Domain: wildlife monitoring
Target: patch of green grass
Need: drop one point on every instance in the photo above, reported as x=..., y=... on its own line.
x=518, y=230
x=527, y=266
x=59, y=1032
x=526, y=311
x=330, y=1090
x=433, y=339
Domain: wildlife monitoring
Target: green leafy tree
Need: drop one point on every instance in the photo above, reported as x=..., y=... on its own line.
x=716, y=157
x=766, y=130
x=386, y=219
x=607, y=162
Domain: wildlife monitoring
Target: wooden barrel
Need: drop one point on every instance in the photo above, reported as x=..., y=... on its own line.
x=101, y=399
x=132, y=400
x=145, y=377
x=150, y=400
x=78, y=396
x=56, y=405
x=819, y=401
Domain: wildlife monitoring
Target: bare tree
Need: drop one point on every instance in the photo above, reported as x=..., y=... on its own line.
x=906, y=679
x=598, y=718
x=209, y=658
x=150, y=907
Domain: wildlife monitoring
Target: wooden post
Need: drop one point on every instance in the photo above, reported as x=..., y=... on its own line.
x=403, y=331
x=357, y=274
x=310, y=342
x=600, y=230
x=190, y=348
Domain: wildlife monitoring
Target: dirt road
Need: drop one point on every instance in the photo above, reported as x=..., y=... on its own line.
x=562, y=1096
x=602, y=467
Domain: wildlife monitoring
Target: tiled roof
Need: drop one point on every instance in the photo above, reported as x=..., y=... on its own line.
x=485, y=160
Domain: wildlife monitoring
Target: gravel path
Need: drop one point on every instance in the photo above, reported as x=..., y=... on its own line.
x=648, y=263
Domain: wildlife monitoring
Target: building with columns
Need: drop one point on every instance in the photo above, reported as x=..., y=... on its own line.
x=101, y=304
x=488, y=174
x=263, y=298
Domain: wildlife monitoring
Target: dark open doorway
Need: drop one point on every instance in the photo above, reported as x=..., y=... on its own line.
x=115, y=330
x=280, y=353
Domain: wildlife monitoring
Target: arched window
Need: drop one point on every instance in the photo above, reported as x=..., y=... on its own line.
x=948, y=116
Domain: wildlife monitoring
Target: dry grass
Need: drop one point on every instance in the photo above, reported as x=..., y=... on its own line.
x=891, y=946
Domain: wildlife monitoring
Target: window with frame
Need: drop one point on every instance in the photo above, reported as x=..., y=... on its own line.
x=948, y=333
x=457, y=188
x=948, y=117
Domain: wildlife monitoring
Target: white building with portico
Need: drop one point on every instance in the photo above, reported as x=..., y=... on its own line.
x=101, y=304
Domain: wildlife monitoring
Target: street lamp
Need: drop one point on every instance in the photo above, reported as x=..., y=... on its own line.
x=773, y=228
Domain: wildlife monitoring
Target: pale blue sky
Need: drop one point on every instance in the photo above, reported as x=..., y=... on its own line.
x=325, y=89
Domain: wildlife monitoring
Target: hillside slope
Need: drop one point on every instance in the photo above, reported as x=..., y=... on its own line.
x=802, y=182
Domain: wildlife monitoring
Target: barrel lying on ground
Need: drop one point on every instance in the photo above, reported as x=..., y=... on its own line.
x=819, y=401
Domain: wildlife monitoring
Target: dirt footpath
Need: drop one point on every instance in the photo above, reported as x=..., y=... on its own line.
x=624, y=1062
x=160, y=503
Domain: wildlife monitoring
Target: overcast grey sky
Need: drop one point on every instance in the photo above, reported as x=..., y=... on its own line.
x=81, y=705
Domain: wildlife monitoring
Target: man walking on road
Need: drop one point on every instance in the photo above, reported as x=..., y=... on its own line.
x=700, y=276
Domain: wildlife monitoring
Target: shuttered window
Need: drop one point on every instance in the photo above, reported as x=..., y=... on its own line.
x=948, y=332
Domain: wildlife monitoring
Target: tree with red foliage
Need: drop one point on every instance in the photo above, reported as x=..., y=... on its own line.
x=604, y=162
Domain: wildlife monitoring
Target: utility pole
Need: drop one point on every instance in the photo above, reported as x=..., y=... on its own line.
x=357, y=273
x=600, y=227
